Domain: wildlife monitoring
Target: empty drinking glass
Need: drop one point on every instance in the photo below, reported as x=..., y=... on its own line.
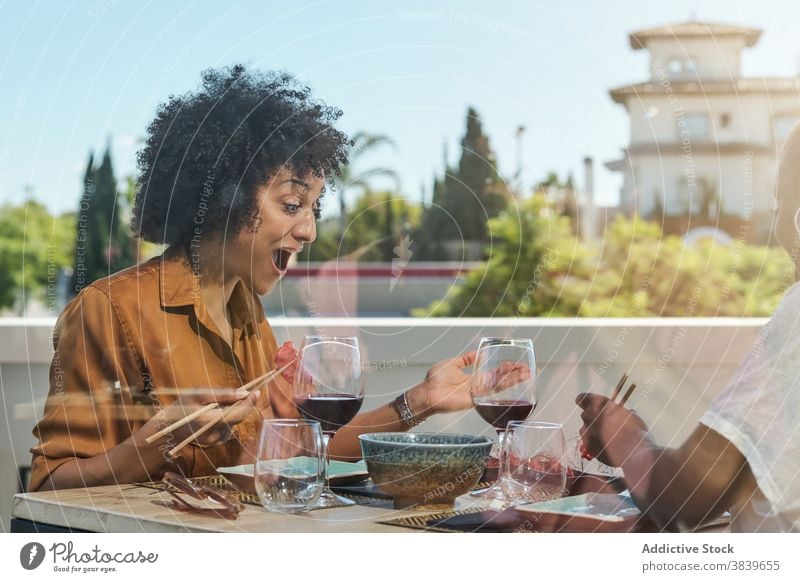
x=533, y=463
x=289, y=470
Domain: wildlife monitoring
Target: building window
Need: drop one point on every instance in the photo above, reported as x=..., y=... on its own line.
x=694, y=126
x=682, y=68
x=784, y=125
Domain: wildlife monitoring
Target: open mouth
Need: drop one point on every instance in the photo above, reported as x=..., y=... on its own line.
x=280, y=259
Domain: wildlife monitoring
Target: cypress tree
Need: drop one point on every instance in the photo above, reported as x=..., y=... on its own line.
x=464, y=200
x=388, y=244
x=83, y=260
x=103, y=245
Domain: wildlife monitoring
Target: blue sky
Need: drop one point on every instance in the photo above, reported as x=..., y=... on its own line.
x=73, y=74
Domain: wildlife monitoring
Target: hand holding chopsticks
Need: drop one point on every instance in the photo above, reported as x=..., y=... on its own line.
x=591, y=420
x=618, y=389
x=208, y=408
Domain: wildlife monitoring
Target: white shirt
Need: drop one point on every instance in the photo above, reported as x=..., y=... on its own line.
x=759, y=413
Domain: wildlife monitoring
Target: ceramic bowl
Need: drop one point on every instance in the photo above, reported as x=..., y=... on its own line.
x=425, y=470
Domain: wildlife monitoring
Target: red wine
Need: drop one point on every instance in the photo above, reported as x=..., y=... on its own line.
x=499, y=413
x=333, y=411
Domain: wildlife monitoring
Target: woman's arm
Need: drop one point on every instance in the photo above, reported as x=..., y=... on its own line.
x=114, y=466
x=135, y=460
x=345, y=445
x=687, y=485
x=445, y=389
x=92, y=431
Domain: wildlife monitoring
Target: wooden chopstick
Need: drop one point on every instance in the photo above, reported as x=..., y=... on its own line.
x=266, y=377
x=618, y=389
x=627, y=395
x=206, y=427
x=199, y=432
x=212, y=405
x=180, y=422
x=620, y=384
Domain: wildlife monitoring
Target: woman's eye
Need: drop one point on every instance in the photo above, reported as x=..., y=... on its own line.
x=291, y=208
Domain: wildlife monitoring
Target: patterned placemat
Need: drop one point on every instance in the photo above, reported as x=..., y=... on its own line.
x=221, y=482
x=421, y=521
x=217, y=481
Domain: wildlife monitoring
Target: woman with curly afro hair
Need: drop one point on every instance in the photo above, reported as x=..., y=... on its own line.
x=230, y=180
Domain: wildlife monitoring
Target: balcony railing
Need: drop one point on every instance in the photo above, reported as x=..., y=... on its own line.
x=679, y=365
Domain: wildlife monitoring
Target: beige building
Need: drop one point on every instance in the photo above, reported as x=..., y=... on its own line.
x=704, y=140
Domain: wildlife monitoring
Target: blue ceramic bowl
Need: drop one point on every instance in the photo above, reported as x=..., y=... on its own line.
x=425, y=470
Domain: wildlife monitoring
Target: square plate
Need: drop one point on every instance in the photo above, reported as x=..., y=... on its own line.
x=597, y=506
x=592, y=512
x=341, y=473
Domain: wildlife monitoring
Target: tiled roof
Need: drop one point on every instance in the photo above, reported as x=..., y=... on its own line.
x=693, y=28
x=703, y=87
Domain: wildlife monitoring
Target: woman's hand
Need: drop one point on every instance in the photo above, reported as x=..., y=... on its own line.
x=611, y=432
x=236, y=405
x=280, y=389
x=446, y=388
x=504, y=376
x=287, y=355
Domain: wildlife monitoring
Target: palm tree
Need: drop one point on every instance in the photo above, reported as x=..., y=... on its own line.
x=350, y=179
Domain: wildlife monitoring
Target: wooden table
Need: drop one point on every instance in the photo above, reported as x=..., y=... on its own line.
x=129, y=508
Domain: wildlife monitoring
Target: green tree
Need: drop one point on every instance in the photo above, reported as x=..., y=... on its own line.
x=376, y=221
x=353, y=180
x=538, y=268
x=391, y=230
x=535, y=267
x=103, y=243
x=464, y=200
x=34, y=247
x=641, y=272
x=562, y=194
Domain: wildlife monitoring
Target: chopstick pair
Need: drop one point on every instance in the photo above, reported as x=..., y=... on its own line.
x=208, y=408
x=618, y=389
x=225, y=415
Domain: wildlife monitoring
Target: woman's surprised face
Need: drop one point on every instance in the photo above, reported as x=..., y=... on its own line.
x=285, y=220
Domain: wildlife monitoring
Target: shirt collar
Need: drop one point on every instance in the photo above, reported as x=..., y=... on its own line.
x=180, y=286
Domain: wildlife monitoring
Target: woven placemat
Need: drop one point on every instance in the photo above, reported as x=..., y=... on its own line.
x=217, y=481
x=421, y=521
x=221, y=482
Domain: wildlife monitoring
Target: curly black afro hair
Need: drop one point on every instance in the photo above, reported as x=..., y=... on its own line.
x=207, y=152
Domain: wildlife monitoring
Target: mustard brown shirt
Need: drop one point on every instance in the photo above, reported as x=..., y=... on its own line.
x=124, y=342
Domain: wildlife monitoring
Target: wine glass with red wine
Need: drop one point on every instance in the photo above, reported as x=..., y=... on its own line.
x=503, y=390
x=329, y=388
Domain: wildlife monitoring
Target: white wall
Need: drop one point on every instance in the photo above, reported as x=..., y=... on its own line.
x=715, y=58
x=653, y=117
x=679, y=364
x=743, y=180
x=349, y=295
